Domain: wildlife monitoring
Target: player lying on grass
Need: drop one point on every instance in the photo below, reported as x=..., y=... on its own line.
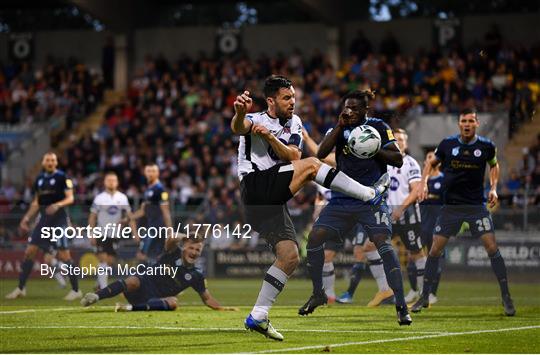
x=157, y=292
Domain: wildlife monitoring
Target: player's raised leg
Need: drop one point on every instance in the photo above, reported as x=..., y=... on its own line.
x=323, y=174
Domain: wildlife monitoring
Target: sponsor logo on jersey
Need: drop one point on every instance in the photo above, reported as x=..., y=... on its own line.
x=394, y=184
x=112, y=210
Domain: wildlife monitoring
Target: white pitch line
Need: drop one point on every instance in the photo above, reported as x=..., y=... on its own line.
x=206, y=329
x=379, y=341
x=32, y=310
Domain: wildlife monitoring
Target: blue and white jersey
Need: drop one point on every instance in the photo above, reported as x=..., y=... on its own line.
x=254, y=152
x=110, y=208
x=400, y=180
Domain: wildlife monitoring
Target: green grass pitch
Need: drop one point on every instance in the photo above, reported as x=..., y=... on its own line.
x=467, y=319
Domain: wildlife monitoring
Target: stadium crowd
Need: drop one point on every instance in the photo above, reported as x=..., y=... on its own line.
x=177, y=113
x=58, y=89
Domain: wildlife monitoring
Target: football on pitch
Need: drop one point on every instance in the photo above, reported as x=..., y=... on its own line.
x=364, y=142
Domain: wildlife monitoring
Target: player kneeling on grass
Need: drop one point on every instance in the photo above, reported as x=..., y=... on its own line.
x=157, y=292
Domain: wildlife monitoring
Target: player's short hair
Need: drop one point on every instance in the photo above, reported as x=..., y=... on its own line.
x=194, y=238
x=273, y=83
x=151, y=164
x=107, y=173
x=364, y=96
x=400, y=131
x=468, y=111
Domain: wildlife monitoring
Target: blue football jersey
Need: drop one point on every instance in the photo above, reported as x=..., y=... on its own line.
x=464, y=168
x=186, y=276
x=435, y=190
x=154, y=197
x=51, y=188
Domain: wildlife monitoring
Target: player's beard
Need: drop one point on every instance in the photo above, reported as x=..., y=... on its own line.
x=283, y=114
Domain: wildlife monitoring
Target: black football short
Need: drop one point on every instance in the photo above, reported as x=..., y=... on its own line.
x=265, y=194
x=107, y=246
x=410, y=235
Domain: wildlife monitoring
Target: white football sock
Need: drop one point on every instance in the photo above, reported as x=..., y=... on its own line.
x=336, y=180
x=102, y=278
x=329, y=280
x=273, y=284
x=57, y=275
x=377, y=269
x=420, y=269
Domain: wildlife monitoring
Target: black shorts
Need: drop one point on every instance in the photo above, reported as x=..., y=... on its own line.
x=410, y=235
x=265, y=194
x=107, y=246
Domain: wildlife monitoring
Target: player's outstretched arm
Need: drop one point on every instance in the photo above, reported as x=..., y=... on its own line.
x=92, y=221
x=32, y=210
x=390, y=155
x=66, y=201
x=137, y=214
x=412, y=197
x=172, y=242
x=242, y=105
x=426, y=173
x=211, y=302
x=167, y=219
x=329, y=141
x=494, y=172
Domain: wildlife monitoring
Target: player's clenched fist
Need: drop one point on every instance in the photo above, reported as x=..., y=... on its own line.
x=243, y=103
